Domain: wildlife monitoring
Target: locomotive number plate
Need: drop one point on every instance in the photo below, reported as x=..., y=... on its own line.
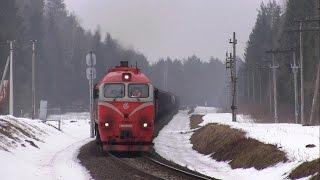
x=125, y=125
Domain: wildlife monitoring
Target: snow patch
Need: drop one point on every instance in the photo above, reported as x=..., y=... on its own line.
x=290, y=138
x=173, y=143
x=201, y=110
x=56, y=155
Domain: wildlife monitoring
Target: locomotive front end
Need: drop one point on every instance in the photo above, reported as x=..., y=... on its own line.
x=126, y=111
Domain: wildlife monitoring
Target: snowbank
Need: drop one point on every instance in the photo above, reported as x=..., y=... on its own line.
x=290, y=138
x=173, y=143
x=41, y=151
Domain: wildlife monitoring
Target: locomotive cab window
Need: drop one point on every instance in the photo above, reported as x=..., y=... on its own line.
x=138, y=90
x=114, y=90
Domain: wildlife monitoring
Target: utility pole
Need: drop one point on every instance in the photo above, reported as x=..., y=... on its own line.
x=229, y=84
x=33, y=79
x=248, y=83
x=260, y=83
x=253, y=87
x=301, y=73
x=227, y=93
x=267, y=67
x=11, y=79
x=301, y=30
x=270, y=90
x=295, y=70
x=274, y=67
x=315, y=100
x=233, y=70
x=275, y=97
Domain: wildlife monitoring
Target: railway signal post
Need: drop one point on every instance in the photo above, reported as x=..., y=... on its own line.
x=91, y=75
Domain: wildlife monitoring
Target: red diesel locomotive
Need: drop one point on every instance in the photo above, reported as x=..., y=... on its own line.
x=125, y=110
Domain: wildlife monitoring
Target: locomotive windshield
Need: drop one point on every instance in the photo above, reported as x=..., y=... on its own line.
x=114, y=90
x=138, y=90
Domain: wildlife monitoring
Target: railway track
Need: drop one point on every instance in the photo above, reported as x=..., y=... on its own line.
x=132, y=164
x=177, y=169
x=149, y=166
x=134, y=168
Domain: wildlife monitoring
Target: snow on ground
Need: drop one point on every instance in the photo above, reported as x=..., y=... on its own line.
x=292, y=138
x=173, y=143
x=56, y=155
x=204, y=110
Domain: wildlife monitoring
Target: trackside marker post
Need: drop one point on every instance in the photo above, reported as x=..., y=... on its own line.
x=91, y=75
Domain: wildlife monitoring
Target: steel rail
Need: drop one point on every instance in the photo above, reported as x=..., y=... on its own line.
x=178, y=170
x=133, y=167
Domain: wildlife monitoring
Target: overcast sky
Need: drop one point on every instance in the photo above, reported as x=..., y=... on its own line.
x=175, y=28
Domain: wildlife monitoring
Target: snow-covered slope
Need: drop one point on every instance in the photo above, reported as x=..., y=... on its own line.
x=290, y=138
x=30, y=149
x=173, y=143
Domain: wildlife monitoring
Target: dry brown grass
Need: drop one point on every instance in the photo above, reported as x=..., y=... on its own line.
x=8, y=129
x=213, y=137
x=316, y=177
x=227, y=144
x=307, y=169
x=195, y=120
x=12, y=133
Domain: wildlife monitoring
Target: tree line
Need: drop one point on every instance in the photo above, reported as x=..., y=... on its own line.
x=273, y=31
x=61, y=46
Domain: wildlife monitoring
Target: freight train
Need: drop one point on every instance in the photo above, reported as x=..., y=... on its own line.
x=126, y=107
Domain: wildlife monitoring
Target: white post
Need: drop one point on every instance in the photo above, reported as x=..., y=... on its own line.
x=274, y=77
x=270, y=91
x=91, y=101
x=295, y=73
x=301, y=74
x=11, y=79
x=33, y=79
x=91, y=74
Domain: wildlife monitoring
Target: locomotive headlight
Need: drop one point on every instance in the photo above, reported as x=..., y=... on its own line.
x=145, y=125
x=126, y=77
x=106, y=124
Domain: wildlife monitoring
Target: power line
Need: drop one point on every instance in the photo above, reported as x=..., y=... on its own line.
x=301, y=30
